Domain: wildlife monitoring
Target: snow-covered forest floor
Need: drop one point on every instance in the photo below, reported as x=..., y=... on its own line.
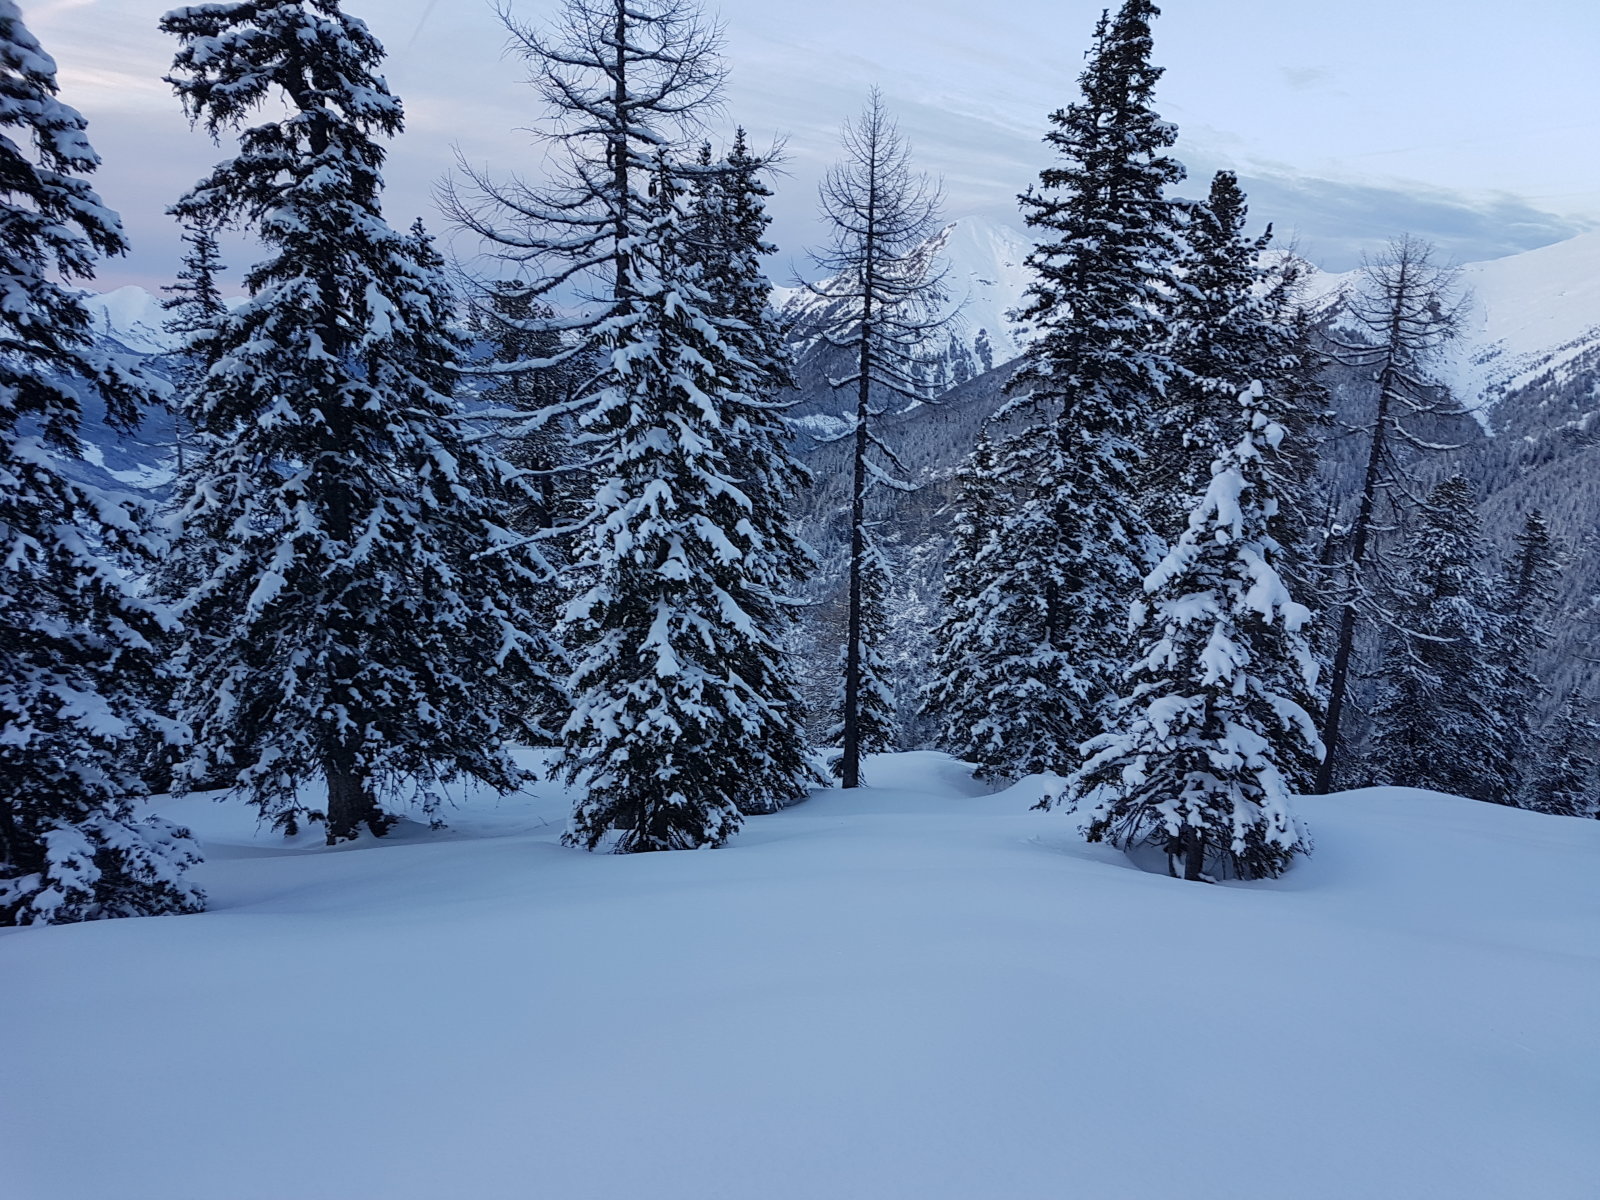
x=916, y=990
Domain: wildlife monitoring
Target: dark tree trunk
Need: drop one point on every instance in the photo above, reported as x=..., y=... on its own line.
x=1194, y=854
x=1360, y=535
x=350, y=802
x=850, y=759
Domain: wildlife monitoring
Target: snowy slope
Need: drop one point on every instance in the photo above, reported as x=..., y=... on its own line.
x=915, y=991
x=133, y=318
x=1526, y=316
x=985, y=277
x=981, y=262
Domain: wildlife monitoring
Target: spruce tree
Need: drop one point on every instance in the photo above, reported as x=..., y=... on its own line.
x=1435, y=722
x=958, y=696
x=866, y=713
x=678, y=671
x=1236, y=316
x=658, y=739
x=520, y=399
x=1085, y=398
x=195, y=307
x=1194, y=759
x=364, y=626
x=1523, y=605
x=1296, y=371
x=1221, y=336
x=77, y=650
x=1562, y=778
x=725, y=242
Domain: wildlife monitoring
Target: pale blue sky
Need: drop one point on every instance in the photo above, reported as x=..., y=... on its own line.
x=1473, y=122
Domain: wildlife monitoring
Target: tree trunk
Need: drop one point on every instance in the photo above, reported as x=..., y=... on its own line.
x=850, y=759
x=350, y=803
x=1194, y=854
x=850, y=763
x=1360, y=533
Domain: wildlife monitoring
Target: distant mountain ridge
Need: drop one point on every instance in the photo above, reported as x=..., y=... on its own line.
x=1527, y=364
x=1530, y=315
x=1527, y=316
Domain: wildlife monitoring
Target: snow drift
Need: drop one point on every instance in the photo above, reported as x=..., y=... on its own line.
x=914, y=990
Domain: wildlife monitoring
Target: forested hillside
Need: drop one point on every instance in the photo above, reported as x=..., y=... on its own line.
x=1129, y=694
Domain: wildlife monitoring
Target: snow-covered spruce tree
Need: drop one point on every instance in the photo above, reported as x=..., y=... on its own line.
x=1295, y=373
x=725, y=228
x=364, y=626
x=1192, y=761
x=1085, y=399
x=1435, y=723
x=879, y=304
x=547, y=491
x=77, y=650
x=665, y=741
x=955, y=696
x=1522, y=605
x=196, y=312
x=871, y=705
x=551, y=488
x=195, y=307
x=1220, y=336
x=657, y=740
x=1408, y=305
x=1562, y=779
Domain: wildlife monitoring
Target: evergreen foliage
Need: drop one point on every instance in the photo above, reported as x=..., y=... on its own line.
x=1193, y=759
x=1562, y=778
x=544, y=496
x=1523, y=605
x=659, y=740
x=1236, y=317
x=955, y=695
x=1076, y=544
x=196, y=308
x=684, y=708
x=725, y=241
x=1220, y=336
x=871, y=706
x=549, y=491
x=77, y=651
x=1295, y=372
x=1436, y=724
x=365, y=625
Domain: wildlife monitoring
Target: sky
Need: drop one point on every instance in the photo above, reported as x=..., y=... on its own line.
x=1471, y=122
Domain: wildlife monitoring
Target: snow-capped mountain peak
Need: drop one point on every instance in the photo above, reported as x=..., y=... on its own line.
x=1526, y=315
x=131, y=317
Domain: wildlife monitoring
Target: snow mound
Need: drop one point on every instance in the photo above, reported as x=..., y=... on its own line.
x=920, y=989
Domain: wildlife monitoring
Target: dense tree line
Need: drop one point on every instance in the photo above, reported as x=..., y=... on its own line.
x=391, y=556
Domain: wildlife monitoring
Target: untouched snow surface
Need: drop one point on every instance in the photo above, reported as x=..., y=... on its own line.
x=914, y=991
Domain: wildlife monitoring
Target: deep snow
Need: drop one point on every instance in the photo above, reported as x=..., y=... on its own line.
x=915, y=991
